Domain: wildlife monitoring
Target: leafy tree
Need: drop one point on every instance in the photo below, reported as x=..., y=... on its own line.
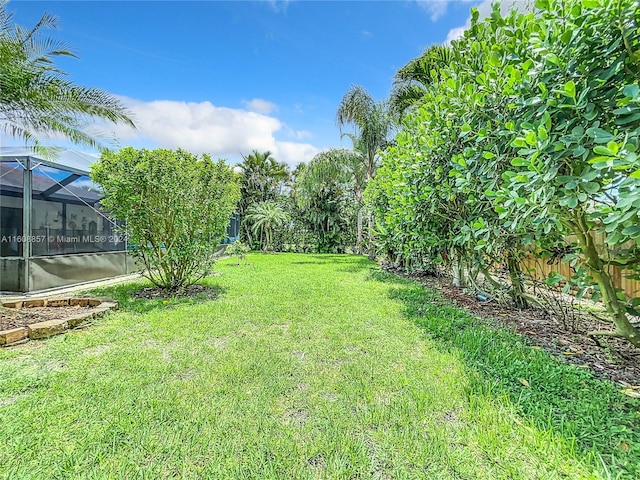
x=36, y=99
x=265, y=218
x=176, y=207
x=576, y=128
x=529, y=135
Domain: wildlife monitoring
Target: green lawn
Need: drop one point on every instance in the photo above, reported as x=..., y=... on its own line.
x=305, y=366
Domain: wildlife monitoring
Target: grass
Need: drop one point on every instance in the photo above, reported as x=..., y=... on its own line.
x=305, y=366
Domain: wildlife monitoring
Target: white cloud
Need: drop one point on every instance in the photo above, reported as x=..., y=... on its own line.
x=434, y=8
x=278, y=5
x=259, y=105
x=205, y=128
x=485, y=9
x=293, y=153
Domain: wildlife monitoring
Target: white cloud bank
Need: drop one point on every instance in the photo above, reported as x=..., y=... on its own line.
x=201, y=127
x=259, y=105
x=485, y=9
x=434, y=8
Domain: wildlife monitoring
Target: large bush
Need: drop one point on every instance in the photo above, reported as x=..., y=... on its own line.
x=529, y=135
x=176, y=207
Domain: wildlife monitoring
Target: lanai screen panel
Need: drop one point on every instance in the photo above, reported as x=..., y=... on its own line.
x=66, y=216
x=11, y=201
x=52, y=229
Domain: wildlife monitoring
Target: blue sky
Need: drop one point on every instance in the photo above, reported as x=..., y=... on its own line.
x=227, y=77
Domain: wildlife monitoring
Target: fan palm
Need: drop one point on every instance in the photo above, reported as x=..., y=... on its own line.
x=265, y=217
x=36, y=100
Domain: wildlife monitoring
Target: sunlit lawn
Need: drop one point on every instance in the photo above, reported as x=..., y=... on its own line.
x=304, y=367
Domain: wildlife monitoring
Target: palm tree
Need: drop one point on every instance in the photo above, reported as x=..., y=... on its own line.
x=263, y=177
x=265, y=217
x=373, y=124
x=336, y=166
x=371, y=121
x=36, y=100
x=412, y=81
x=323, y=188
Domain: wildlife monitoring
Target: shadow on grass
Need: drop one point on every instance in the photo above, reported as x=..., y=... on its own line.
x=127, y=301
x=554, y=395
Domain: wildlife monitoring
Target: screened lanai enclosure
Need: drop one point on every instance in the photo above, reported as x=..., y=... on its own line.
x=52, y=230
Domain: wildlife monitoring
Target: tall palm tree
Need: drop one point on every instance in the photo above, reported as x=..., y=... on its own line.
x=36, y=100
x=371, y=121
x=412, y=81
x=373, y=124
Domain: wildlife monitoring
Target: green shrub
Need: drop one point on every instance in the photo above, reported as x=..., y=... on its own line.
x=176, y=207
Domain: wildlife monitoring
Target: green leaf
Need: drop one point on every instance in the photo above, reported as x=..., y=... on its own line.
x=632, y=231
x=554, y=278
x=518, y=162
x=542, y=133
x=623, y=120
x=531, y=138
x=635, y=174
x=590, y=187
x=613, y=146
x=599, y=159
x=631, y=91
x=570, y=89
x=599, y=135
x=601, y=150
x=488, y=155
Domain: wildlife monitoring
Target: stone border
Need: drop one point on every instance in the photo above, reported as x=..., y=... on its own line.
x=18, y=335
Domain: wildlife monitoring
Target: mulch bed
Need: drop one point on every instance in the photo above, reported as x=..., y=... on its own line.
x=612, y=359
x=199, y=291
x=21, y=317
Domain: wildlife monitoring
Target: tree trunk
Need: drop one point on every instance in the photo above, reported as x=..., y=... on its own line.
x=360, y=238
x=459, y=279
x=517, y=286
x=615, y=307
x=372, y=247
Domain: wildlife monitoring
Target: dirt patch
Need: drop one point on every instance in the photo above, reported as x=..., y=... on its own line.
x=21, y=317
x=609, y=358
x=199, y=291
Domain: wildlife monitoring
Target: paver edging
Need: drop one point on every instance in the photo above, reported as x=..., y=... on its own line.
x=48, y=328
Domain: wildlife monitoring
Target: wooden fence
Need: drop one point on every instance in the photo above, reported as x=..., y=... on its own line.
x=543, y=268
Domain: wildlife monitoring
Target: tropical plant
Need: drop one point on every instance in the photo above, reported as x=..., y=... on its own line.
x=411, y=82
x=36, y=100
x=237, y=249
x=176, y=207
x=373, y=124
x=324, y=190
x=263, y=178
x=265, y=218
